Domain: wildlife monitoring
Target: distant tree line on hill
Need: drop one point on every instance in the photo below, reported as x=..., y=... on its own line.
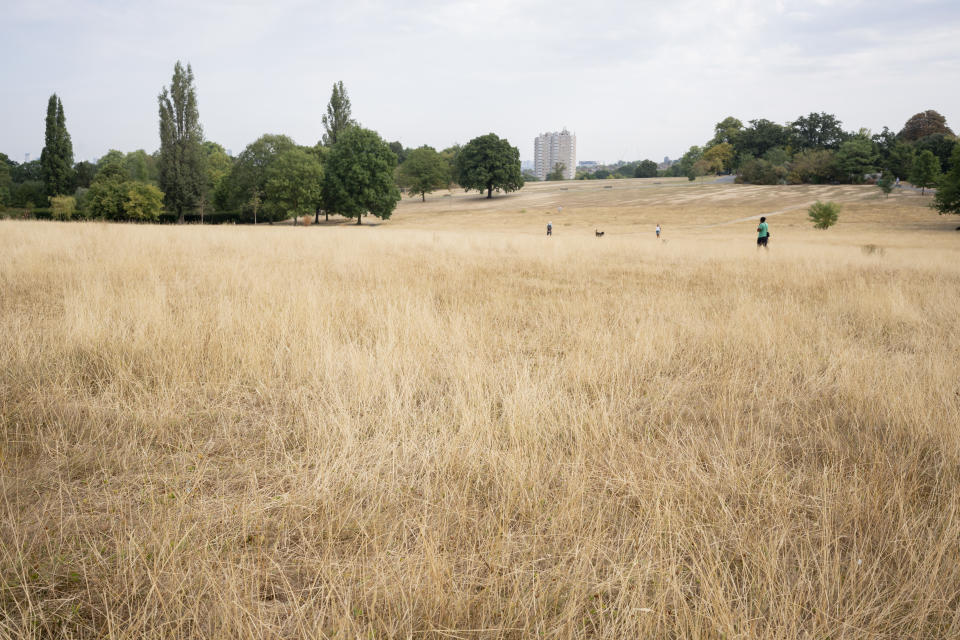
x=816, y=149
x=350, y=171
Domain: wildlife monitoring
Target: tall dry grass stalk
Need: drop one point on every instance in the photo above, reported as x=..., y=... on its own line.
x=225, y=432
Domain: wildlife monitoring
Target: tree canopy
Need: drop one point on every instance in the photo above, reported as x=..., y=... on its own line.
x=924, y=124
x=947, y=198
x=423, y=172
x=359, y=176
x=248, y=175
x=926, y=170
x=181, y=161
x=487, y=163
x=294, y=179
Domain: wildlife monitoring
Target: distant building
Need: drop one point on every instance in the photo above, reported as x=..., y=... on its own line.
x=588, y=165
x=550, y=149
x=26, y=157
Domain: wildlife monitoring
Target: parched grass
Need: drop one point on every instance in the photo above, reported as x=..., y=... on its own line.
x=338, y=432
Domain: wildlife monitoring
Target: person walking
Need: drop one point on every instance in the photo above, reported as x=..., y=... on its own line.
x=763, y=233
x=658, y=231
x=549, y=228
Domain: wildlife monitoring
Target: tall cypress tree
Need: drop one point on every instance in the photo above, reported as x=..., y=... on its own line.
x=181, y=159
x=56, y=160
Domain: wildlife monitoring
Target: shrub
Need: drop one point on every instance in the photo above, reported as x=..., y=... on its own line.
x=824, y=214
x=63, y=207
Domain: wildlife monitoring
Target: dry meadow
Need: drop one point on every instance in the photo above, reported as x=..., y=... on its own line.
x=447, y=425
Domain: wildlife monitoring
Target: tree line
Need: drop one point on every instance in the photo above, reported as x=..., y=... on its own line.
x=815, y=149
x=351, y=171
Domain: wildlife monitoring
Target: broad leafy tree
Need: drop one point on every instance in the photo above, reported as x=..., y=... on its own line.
x=114, y=196
x=358, y=176
x=294, y=180
x=487, y=163
x=947, y=198
x=645, y=169
x=556, y=173
x=817, y=131
x=926, y=171
x=181, y=159
x=856, y=157
x=761, y=136
x=726, y=130
x=924, y=124
x=83, y=173
x=901, y=159
x=423, y=172
x=450, y=155
x=338, y=117
x=718, y=158
x=248, y=175
x=56, y=159
x=941, y=145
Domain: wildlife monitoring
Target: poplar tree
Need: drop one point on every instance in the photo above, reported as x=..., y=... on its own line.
x=181, y=159
x=56, y=159
x=338, y=114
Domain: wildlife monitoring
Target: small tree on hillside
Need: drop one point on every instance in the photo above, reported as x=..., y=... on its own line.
x=886, y=183
x=557, y=173
x=487, y=163
x=423, y=172
x=947, y=198
x=824, y=214
x=926, y=171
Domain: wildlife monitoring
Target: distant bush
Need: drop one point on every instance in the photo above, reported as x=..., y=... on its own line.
x=63, y=207
x=824, y=214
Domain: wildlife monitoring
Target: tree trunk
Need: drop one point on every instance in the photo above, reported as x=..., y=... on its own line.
x=424, y=196
x=316, y=219
x=489, y=191
x=359, y=218
x=179, y=215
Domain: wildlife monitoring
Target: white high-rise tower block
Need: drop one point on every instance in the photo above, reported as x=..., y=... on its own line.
x=549, y=149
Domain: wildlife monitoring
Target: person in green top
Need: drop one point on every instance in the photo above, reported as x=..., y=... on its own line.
x=763, y=232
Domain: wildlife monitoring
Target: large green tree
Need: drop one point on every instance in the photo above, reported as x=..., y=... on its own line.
x=947, y=198
x=487, y=163
x=423, y=172
x=923, y=124
x=817, y=131
x=857, y=157
x=56, y=159
x=248, y=176
x=114, y=196
x=926, y=170
x=900, y=160
x=726, y=130
x=294, y=180
x=645, y=169
x=181, y=159
x=338, y=117
x=358, y=176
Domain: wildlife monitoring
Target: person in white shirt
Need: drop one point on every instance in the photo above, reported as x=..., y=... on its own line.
x=658, y=231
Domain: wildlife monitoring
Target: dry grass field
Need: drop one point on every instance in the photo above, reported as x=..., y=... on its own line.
x=447, y=425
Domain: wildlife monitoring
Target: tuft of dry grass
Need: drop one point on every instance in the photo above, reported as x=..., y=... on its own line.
x=398, y=432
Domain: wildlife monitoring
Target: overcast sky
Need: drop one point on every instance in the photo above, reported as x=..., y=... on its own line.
x=632, y=79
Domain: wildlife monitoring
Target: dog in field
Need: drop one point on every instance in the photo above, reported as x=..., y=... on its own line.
x=599, y=234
